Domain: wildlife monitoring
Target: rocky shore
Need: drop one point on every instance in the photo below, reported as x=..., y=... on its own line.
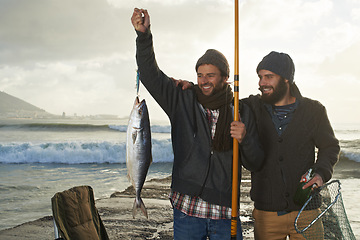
x=116, y=215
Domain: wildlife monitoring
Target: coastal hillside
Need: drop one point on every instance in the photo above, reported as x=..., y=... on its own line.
x=11, y=106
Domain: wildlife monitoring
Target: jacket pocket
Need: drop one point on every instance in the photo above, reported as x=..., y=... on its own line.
x=261, y=189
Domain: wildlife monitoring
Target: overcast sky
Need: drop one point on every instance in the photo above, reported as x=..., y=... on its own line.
x=78, y=56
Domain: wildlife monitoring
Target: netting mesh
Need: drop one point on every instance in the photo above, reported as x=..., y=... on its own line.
x=323, y=216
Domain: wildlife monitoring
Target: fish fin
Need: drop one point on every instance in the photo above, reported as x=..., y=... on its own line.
x=134, y=136
x=139, y=204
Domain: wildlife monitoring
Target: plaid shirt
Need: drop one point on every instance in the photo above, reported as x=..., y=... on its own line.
x=195, y=206
x=212, y=116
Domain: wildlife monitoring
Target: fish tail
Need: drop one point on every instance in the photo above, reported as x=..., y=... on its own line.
x=138, y=203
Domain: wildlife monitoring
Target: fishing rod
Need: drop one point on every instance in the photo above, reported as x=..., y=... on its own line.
x=235, y=184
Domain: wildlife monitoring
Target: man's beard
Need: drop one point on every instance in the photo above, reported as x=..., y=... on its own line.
x=279, y=91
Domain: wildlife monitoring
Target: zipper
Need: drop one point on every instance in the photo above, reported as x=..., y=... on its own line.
x=211, y=151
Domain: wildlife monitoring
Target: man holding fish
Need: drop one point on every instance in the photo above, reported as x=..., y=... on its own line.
x=202, y=132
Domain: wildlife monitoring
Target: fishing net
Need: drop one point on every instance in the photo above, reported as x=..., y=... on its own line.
x=323, y=216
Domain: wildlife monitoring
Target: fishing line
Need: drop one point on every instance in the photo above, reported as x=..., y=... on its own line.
x=137, y=82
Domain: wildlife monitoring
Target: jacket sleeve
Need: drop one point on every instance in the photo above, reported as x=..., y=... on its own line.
x=251, y=151
x=328, y=146
x=160, y=86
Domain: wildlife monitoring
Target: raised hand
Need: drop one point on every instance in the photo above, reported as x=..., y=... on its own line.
x=140, y=19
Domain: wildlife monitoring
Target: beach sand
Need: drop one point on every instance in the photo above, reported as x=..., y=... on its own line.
x=116, y=214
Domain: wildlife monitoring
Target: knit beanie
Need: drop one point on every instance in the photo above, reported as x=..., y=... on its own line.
x=279, y=63
x=215, y=58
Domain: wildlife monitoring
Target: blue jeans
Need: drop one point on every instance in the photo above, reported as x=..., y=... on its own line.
x=193, y=228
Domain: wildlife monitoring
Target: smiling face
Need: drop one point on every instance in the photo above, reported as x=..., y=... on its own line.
x=272, y=86
x=210, y=79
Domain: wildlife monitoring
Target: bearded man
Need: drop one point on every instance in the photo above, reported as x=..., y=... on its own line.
x=290, y=127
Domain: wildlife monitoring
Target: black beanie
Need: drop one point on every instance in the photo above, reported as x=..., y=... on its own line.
x=215, y=58
x=279, y=63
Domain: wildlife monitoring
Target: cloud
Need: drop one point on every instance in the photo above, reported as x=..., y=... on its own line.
x=78, y=56
x=285, y=19
x=56, y=30
x=343, y=63
x=82, y=87
x=355, y=14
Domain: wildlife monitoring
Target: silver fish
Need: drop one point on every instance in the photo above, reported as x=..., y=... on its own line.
x=138, y=151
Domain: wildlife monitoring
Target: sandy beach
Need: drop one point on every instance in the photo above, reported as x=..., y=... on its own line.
x=116, y=215
x=115, y=211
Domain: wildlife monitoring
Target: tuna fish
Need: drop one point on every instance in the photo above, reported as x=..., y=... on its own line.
x=138, y=151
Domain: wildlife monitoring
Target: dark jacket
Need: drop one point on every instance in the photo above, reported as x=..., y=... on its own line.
x=289, y=156
x=197, y=170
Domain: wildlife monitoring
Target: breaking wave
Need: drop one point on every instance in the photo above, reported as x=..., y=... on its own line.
x=77, y=152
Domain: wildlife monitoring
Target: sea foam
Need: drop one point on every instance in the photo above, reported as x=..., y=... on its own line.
x=78, y=152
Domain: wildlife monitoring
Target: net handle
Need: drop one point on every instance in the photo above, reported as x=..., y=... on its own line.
x=323, y=212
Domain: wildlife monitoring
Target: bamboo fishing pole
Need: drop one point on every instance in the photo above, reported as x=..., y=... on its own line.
x=235, y=184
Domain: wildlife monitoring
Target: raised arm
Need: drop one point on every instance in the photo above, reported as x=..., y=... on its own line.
x=157, y=83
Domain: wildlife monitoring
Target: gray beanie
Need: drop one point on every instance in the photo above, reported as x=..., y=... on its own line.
x=215, y=58
x=279, y=63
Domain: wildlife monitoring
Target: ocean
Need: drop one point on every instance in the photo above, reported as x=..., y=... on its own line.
x=39, y=157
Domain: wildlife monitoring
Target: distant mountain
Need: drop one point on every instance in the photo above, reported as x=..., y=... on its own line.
x=11, y=106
